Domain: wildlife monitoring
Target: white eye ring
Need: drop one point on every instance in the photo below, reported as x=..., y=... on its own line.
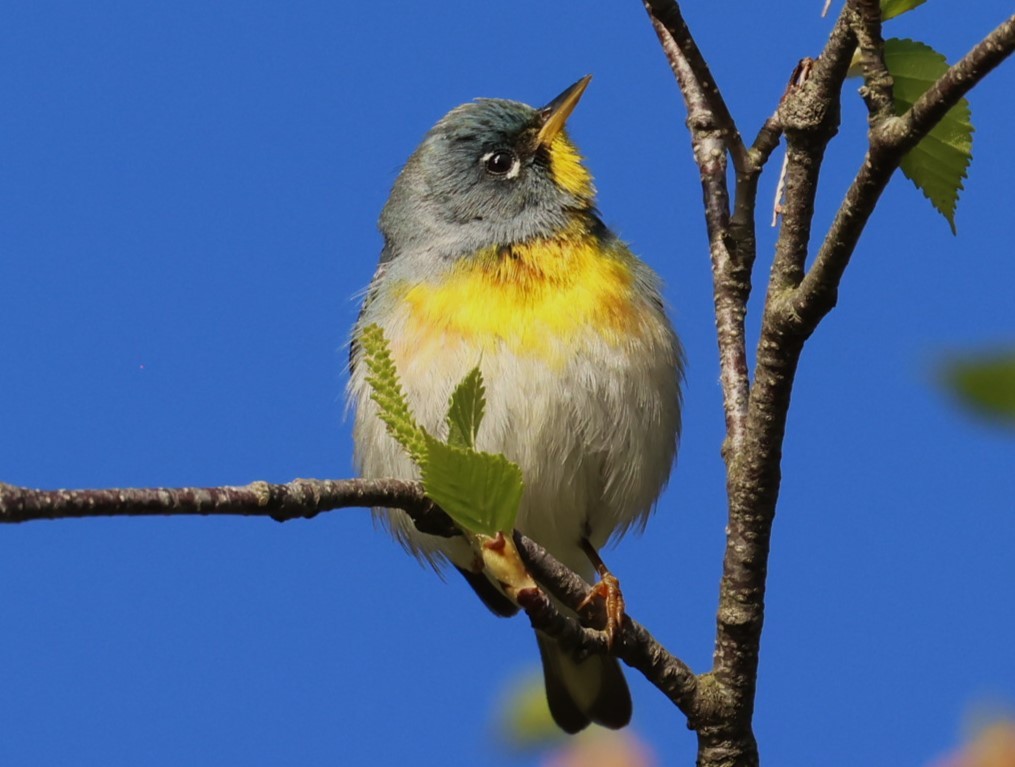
x=494, y=168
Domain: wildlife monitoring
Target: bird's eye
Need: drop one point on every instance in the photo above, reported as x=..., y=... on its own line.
x=501, y=162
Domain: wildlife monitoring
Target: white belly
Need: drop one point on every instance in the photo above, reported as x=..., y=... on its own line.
x=595, y=437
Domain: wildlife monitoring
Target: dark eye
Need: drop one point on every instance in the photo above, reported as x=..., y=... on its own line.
x=500, y=162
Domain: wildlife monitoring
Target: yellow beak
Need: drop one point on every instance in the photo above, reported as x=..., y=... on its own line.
x=555, y=114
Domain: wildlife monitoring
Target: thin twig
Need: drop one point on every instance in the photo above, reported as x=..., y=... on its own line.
x=693, y=74
x=766, y=141
x=299, y=499
x=713, y=135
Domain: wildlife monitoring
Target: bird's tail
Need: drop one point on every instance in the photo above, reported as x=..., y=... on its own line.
x=579, y=692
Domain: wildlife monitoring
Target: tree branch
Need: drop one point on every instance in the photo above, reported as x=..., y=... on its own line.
x=962, y=77
x=299, y=499
x=636, y=646
x=694, y=77
x=808, y=115
x=810, y=118
x=818, y=292
x=713, y=134
x=306, y=498
x=878, y=85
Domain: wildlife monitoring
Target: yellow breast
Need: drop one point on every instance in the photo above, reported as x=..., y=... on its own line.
x=534, y=298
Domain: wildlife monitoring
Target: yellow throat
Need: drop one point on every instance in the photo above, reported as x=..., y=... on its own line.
x=535, y=297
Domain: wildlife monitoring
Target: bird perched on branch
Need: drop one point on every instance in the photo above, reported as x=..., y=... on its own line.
x=495, y=255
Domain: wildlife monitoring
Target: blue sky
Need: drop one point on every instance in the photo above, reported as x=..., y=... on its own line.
x=189, y=196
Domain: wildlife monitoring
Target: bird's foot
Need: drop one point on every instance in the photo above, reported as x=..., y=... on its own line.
x=608, y=589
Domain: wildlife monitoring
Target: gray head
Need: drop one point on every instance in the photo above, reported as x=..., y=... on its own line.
x=491, y=172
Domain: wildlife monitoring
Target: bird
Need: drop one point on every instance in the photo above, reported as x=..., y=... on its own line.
x=495, y=255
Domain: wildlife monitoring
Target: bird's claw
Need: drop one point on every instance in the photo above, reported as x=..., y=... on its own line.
x=608, y=589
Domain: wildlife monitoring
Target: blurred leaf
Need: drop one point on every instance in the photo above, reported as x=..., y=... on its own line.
x=481, y=492
x=892, y=8
x=985, y=384
x=525, y=724
x=386, y=391
x=937, y=164
x=524, y=716
x=465, y=412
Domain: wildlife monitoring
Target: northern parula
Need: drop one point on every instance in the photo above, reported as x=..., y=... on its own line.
x=494, y=254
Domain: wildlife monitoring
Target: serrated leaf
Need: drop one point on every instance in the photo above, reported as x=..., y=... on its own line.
x=938, y=163
x=984, y=383
x=892, y=8
x=386, y=391
x=465, y=412
x=481, y=492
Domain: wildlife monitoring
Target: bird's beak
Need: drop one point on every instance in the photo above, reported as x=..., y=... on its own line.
x=555, y=114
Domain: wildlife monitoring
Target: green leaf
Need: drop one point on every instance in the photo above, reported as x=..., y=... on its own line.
x=465, y=412
x=892, y=8
x=386, y=391
x=523, y=715
x=985, y=383
x=481, y=492
x=937, y=164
